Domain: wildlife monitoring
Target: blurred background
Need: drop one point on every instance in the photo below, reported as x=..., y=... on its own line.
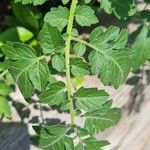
x=23, y=23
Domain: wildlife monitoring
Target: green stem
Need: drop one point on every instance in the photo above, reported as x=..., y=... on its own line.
x=86, y=43
x=67, y=58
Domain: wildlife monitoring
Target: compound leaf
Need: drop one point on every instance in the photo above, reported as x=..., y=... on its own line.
x=23, y=58
x=110, y=59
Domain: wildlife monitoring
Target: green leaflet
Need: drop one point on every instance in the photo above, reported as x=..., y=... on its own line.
x=54, y=95
x=34, y=2
x=4, y=107
x=101, y=119
x=91, y=144
x=90, y=99
x=87, y=1
x=141, y=47
x=110, y=59
x=25, y=84
x=4, y=89
x=79, y=49
x=58, y=62
x=52, y=138
x=110, y=38
x=88, y=143
x=21, y=59
x=65, y=1
x=79, y=67
x=117, y=7
x=85, y=16
x=19, y=51
x=57, y=17
x=51, y=40
x=39, y=74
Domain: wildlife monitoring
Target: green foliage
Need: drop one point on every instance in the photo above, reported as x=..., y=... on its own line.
x=54, y=95
x=52, y=137
x=57, y=17
x=85, y=16
x=4, y=106
x=34, y=2
x=58, y=49
x=21, y=60
x=79, y=67
x=90, y=99
x=121, y=8
x=141, y=46
x=51, y=40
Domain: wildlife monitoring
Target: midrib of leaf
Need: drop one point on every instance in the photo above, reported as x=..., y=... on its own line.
x=99, y=50
x=98, y=118
x=29, y=66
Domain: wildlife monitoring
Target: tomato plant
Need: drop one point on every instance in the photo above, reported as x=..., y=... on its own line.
x=109, y=58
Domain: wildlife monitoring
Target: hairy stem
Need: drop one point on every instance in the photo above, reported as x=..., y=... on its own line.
x=67, y=58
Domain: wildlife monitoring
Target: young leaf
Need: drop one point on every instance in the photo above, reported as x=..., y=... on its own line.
x=39, y=74
x=101, y=119
x=58, y=62
x=51, y=137
x=90, y=99
x=4, y=107
x=85, y=16
x=51, y=40
x=54, y=95
x=35, y=2
x=79, y=68
x=79, y=49
x=57, y=17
